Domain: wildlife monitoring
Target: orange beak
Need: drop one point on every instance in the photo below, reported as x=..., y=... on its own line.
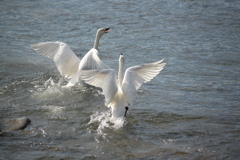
x=106, y=30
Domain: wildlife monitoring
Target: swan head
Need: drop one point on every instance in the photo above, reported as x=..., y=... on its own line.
x=102, y=31
x=121, y=57
x=99, y=34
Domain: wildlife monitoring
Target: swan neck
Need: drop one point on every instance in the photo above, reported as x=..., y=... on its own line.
x=120, y=72
x=98, y=36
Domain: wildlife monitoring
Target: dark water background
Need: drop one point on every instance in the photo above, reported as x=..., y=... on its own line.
x=189, y=111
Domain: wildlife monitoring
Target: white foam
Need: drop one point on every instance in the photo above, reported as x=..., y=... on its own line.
x=48, y=90
x=53, y=112
x=53, y=109
x=105, y=121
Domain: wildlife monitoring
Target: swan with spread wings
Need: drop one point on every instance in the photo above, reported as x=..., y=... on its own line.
x=68, y=64
x=120, y=92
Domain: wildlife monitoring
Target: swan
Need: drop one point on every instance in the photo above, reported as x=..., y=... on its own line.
x=120, y=92
x=67, y=62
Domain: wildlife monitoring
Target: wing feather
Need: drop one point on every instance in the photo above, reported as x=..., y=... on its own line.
x=67, y=62
x=137, y=75
x=104, y=78
x=92, y=61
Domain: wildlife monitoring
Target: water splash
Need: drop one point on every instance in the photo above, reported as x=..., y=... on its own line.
x=53, y=109
x=105, y=121
x=49, y=90
x=54, y=112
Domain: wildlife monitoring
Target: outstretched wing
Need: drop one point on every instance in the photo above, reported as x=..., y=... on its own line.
x=92, y=61
x=67, y=62
x=137, y=75
x=105, y=79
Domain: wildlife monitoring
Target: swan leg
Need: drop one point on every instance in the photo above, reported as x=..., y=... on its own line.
x=126, y=109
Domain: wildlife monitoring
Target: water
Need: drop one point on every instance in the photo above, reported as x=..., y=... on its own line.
x=189, y=111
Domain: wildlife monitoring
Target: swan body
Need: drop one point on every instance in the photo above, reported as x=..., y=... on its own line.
x=120, y=92
x=68, y=64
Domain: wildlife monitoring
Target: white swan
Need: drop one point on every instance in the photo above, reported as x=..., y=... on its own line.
x=120, y=93
x=67, y=62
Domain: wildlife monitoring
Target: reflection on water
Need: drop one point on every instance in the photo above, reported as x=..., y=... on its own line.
x=189, y=111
